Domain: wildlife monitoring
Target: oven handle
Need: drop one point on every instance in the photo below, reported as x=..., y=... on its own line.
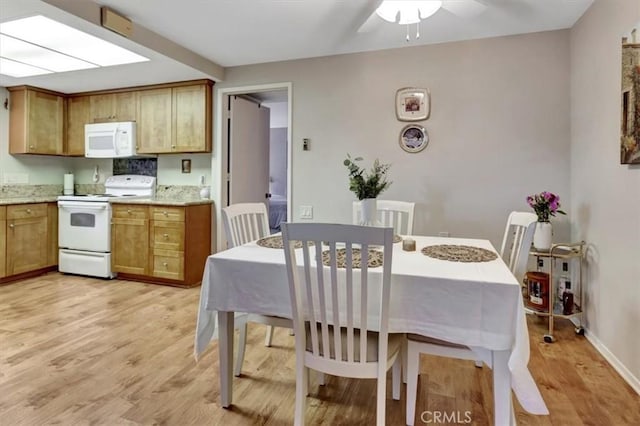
x=70, y=205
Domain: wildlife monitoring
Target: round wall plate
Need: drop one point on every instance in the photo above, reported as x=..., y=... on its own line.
x=414, y=138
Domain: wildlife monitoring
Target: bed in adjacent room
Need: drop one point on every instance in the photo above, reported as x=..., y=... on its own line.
x=277, y=211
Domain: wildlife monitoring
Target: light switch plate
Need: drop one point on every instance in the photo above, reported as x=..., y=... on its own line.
x=306, y=212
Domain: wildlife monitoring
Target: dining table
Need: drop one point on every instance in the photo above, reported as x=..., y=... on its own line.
x=477, y=303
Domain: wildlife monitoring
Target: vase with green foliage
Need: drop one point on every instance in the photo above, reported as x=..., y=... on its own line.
x=367, y=185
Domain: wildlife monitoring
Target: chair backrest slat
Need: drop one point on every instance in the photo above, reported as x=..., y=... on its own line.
x=516, y=242
x=397, y=214
x=328, y=298
x=245, y=222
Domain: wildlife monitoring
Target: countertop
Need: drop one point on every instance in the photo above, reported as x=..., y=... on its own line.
x=162, y=201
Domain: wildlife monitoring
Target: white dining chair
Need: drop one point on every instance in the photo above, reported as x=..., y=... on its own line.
x=514, y=250
x=350, y=298
x=245, y=222
x=397, y=214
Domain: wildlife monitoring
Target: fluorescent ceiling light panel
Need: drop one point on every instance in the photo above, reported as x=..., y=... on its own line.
x=45, y=43
x=17, y=69
x=37, y=56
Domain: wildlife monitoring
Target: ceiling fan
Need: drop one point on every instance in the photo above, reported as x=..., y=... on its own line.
x=377, y=12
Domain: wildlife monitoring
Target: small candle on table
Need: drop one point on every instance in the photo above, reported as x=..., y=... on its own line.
x=408, y=244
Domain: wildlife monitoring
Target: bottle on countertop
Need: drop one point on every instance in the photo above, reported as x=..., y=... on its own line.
x=567, y=299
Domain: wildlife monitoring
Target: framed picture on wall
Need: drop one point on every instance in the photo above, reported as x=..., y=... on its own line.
x=412, y=104
x=414, y=138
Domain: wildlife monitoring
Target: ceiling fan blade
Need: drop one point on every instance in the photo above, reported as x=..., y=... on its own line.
x=371, y=21
x=464, y=8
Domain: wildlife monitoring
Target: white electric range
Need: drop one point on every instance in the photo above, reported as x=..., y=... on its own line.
x=84, y=225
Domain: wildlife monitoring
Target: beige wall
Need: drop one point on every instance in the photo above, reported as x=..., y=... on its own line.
x=605, y=195
x=499, y=128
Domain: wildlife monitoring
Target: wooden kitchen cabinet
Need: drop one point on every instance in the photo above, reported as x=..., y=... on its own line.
x=177, y=238
x=154, y=125
x=180, y=242
x=26, y=238
x=3, y=241
x=121, y=106
x=52, y=234
x=78, y=114
x=130, y=239
x=191, y=118
x=175, y=119
x=36, y=121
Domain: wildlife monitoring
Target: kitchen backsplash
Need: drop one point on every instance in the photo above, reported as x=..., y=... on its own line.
x=135, y=166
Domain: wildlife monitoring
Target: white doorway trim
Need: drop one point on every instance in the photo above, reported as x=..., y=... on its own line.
x=217, y=160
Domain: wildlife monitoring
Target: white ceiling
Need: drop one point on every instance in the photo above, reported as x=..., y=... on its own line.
x=240, y=32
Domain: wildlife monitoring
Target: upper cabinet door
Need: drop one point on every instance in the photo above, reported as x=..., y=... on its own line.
x=114, y=107
x=192, y=118
x=78, y=115
x=154, y=121
x=36, y=122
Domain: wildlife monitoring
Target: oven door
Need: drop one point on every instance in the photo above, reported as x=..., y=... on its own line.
x=84, y=225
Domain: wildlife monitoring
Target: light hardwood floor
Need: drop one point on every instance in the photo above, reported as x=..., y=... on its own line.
x=76, y=351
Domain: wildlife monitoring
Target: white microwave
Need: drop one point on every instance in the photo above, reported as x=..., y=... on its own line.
x=110, y=140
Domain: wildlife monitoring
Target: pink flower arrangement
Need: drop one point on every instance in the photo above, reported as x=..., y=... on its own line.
x=545, y=204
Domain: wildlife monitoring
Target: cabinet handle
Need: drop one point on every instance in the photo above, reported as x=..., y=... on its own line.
x=165, y=213
x=11, y=225
x=166, y=236
x=128, y=211
x=30, y=146
x=173, y=147
x=28, y=211
x=165, y=264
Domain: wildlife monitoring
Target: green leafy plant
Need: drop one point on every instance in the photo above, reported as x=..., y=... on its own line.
x=367, y=184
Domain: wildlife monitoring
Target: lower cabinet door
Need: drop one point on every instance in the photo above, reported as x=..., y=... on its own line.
x=130, y=246
x=26, y=245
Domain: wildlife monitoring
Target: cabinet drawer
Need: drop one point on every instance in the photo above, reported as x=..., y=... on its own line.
x=167, y=235
x=168, y=213
x=24, y=211
x=168, y=264
x=130, y=211
x=3, y=212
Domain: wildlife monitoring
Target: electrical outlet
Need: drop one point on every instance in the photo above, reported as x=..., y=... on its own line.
x=443, y=234
x=306, y=212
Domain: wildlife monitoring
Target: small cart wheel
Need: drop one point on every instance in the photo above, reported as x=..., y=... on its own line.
x=580, y=331
x=548, y=338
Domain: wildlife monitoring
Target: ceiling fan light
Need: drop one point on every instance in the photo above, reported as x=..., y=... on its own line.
x=388, y=11
x=410, y=11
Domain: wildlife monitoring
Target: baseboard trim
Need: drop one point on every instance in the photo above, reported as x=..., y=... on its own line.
x=633, y=381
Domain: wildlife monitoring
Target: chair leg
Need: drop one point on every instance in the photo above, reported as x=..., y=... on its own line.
x=403, y=354
x=302, y=382
x=320, y=378
x=269, y=336
x=396, y=372
x=413, y=359
x=381, y=395
x=242, y=343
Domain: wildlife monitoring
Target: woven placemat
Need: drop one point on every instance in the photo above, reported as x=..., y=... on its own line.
x=455, y=253
x=275, y=242
x=374, y=258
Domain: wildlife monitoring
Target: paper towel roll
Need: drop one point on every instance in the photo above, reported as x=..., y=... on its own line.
x=68, y=184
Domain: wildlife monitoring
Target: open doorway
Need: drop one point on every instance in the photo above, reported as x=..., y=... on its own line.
x=247, y=172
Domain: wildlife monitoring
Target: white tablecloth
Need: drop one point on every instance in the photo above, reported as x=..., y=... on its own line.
x=475, y=304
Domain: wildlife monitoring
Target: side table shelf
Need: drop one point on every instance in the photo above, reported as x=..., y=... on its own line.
x=563, y=251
